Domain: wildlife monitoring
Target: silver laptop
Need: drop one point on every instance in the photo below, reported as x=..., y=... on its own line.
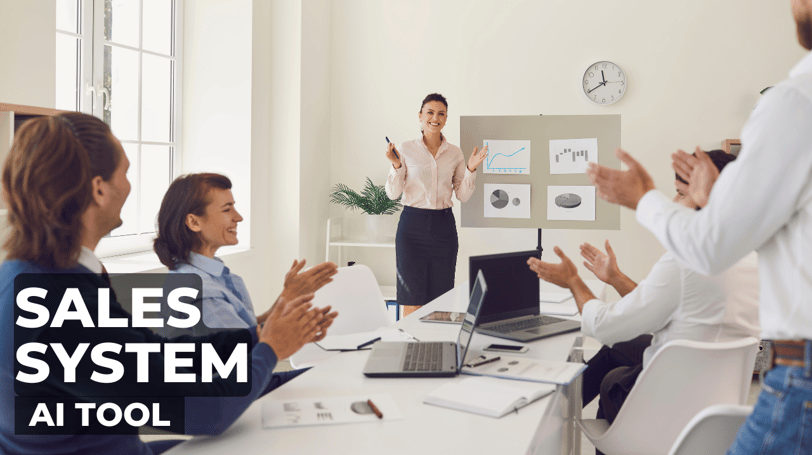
x=511, y=309
x=430, y=359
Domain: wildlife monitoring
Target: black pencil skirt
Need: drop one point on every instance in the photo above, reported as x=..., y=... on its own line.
x=426, y=249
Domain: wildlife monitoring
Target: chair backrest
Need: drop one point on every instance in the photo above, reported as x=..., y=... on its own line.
x=712, y=431
x=682, y=378
x=355, y=294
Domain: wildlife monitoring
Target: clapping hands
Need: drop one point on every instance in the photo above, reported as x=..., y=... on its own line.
x=309, y=281
x=621, y=187
x=700, y=173
x=290, y=325
x=604, y=266
x=563, y=274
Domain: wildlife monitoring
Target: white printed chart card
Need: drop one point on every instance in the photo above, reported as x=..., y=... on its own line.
x=328, y=411
x=507, y=157
x=571, y=203
x=507, y=200
x=572, y=156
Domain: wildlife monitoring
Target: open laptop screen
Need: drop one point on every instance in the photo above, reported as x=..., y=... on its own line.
x=478, y=291
x=513, y=289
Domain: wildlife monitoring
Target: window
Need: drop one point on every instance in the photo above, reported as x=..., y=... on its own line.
x=119, y=60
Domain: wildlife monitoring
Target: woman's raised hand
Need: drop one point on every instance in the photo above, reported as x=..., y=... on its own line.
x=477, y=158
x=393, y=155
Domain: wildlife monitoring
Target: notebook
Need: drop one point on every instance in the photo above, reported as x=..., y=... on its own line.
x=428, y=359
x=488, y=396
x=511, y=309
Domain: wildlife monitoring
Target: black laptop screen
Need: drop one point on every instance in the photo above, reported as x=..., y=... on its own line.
x=513, y=289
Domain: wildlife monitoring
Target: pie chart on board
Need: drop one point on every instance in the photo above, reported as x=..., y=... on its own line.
x=568, y=200
x=499, y=199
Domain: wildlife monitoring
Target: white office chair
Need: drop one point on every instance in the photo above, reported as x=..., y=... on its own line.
x=355, y=294
x=682, y=378
x=712, y=431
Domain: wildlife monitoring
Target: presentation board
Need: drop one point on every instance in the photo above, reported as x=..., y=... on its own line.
x=535, y=172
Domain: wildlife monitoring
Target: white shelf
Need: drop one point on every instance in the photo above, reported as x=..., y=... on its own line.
x=338, y=236
x=389, y=243
x=335, y=238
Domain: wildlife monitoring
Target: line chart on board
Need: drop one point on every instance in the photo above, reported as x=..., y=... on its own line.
x=507, y=157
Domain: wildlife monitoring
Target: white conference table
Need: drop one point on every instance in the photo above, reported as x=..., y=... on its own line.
x=546, y=426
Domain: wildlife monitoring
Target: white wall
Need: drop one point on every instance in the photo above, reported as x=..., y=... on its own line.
x=256, y=102
x=275, y=175
x=290, y=149
x=315, y=118
x=695, y=69
x=217, y=60
x=28, y=52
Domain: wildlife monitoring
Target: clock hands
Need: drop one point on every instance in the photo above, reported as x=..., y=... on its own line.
x=601, y=74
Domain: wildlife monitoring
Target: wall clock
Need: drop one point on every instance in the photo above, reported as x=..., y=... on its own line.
x=604, y=83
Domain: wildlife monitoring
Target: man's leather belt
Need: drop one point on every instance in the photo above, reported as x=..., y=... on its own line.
x=789, y=353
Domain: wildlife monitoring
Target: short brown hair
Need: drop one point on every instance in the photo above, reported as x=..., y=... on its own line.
x=47, y=185
x=187, y=194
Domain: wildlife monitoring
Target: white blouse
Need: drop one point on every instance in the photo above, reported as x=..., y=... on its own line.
x=427, y=182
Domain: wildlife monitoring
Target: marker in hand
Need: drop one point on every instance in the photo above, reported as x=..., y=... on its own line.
x=393, y=149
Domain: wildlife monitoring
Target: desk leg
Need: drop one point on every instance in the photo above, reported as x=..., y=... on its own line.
x=558, y=432
x=575, y=399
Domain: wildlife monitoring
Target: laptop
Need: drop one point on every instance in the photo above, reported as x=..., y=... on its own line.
x=511, y=308
x=428, y=359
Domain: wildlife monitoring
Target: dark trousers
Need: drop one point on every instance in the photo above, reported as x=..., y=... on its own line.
x=611, y=373
x=426, y=248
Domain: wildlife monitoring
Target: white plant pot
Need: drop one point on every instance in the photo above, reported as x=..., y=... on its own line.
x=376, y=227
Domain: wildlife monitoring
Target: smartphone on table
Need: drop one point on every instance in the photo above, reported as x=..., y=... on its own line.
x=506, y=348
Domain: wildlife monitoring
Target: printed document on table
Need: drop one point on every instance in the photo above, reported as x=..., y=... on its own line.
x=549, y=371
x=327, y=411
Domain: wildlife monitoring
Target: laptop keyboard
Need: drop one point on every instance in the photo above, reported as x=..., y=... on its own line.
x=525, y=324
x=424, y=357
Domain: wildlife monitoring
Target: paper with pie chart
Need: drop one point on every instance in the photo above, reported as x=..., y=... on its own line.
x=507, y=157
x=572, y=156
x=571, y=203
x=507, y=200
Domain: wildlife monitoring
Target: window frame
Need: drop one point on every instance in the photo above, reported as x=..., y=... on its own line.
x=91, y=98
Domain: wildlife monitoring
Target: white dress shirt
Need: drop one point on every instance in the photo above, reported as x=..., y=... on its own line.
x=427, y=182
x=676, y=303
x=88, y=259
x=763, y=202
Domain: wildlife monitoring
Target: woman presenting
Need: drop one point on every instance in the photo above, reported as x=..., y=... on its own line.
x=427, y=171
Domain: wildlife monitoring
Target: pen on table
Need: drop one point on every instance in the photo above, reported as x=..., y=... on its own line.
x=483, y=362
x=408, y=334
x=363, y=345
x=375, y=409
x=393, y=149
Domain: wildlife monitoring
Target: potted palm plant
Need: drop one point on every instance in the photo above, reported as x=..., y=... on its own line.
x=372, y=201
